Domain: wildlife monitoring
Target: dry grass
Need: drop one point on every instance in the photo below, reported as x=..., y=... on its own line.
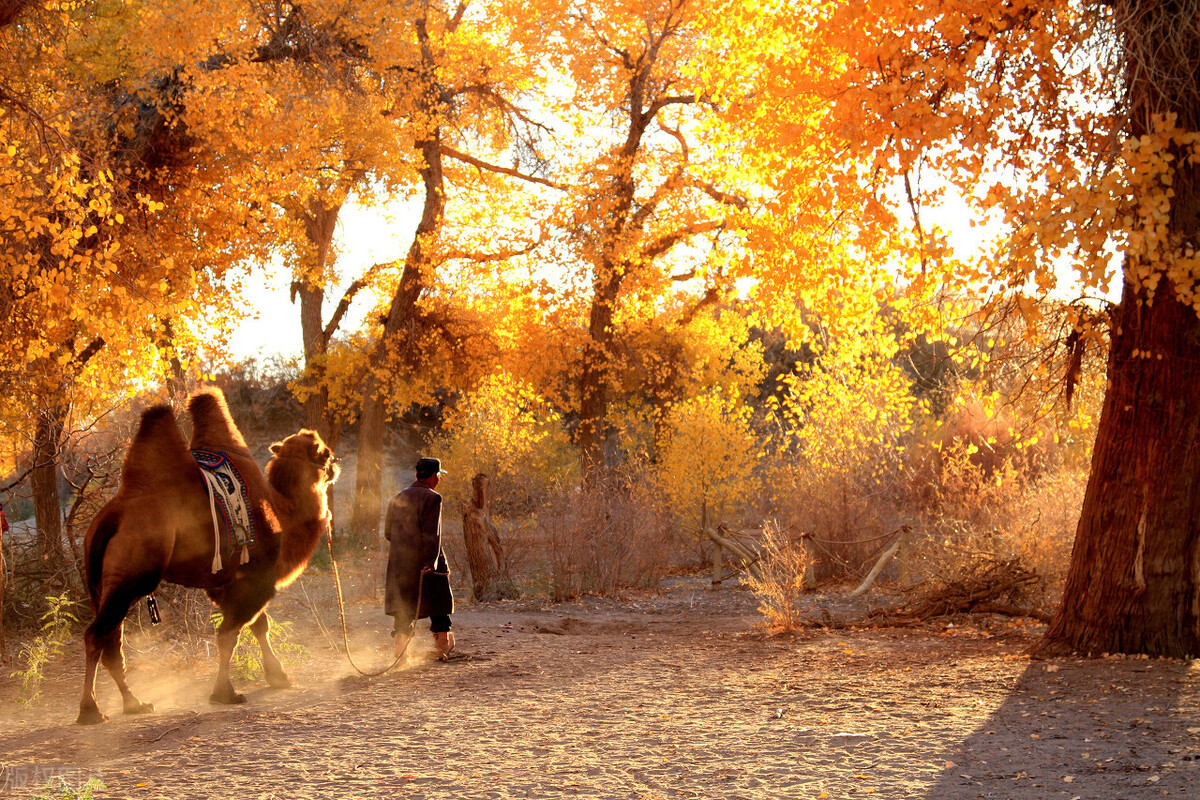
x=1014, y=511
x=785, y=565
x=1008, y=515
x=600, y=543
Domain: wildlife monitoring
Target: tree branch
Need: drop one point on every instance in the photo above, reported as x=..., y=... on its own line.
x=666, y=242
x=11, y=9
x=17, y=481
x=348, y=297
x=456, y=20
x=916, y=212
x=626, y=58
x=85, y=355
x=499, y=255
x=662, y=102
x=502, y=102
x=725, y=198
x=673, y=181
x=450, y=152
x=711, y=296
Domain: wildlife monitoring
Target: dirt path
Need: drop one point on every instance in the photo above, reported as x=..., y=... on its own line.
x=667, y=696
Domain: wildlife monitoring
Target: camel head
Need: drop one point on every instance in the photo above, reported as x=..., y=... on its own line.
x=302, y=463
x=301, y=469
x=306, y=446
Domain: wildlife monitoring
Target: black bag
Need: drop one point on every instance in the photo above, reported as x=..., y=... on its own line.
x=436, y=597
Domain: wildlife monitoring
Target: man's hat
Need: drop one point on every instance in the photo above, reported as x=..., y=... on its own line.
x=429, y=466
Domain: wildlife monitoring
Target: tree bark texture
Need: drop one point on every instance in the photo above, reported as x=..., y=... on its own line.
x=620, y=246
x=3, y=586
x=484, y=553
x=611, y=270
x=1134, y=580
x=320, y=223
x=47, y=504
x=594, y=379
x=1135, y=568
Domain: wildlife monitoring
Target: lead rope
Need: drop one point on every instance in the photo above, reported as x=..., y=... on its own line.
x=337, y=581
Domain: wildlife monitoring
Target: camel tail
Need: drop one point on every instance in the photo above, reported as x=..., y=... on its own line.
x=212, y=424
x=103, y=529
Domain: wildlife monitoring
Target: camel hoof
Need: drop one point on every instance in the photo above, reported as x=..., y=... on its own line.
x=90, y=716
x=138, y=708
x=227, y=698
x=279, y=681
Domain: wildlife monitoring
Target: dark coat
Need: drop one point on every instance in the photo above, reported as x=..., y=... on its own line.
x=413, y=528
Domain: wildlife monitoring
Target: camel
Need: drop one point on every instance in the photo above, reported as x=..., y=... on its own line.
x=159, y=527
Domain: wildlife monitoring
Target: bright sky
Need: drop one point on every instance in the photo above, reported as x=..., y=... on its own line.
x=365, y=235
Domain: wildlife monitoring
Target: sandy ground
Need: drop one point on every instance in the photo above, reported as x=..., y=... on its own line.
x=675, y=694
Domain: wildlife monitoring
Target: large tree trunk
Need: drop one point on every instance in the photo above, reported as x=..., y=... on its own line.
x=320, y=223
x=1134, y=581
x=1135, y=569
x=3, y=586
x=47, y=504
x=368, y=470
x=594, y=379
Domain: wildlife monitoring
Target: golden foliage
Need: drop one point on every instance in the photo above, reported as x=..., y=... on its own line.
x=707, y=460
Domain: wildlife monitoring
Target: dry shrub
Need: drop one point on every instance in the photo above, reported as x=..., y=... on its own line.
x=847, y=519
x=1011, y=512
x=1012, y=504
x=986, y=585
x=600, y=542
x=784, y=565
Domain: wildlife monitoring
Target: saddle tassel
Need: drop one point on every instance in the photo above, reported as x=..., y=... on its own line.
x=212, y=507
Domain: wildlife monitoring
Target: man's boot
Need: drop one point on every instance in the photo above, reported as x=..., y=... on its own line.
x=402, y=640
x=443, y=643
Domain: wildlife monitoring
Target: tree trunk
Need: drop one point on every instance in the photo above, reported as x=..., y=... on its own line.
x=611, y=269
x=47, y=505
x=593, y=409
x=400, y=333
x=480, y=537
x=320, y=223
x=1134, y=581
x=368, y=471
x=176, y=378
x=1135, y=569
x=3, y=586
x=317, y=400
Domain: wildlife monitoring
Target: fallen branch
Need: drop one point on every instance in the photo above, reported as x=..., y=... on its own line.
x=748, y=559
x=887, y=556
x=987, y=587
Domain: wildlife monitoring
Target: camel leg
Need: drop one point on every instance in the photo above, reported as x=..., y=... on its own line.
x=227, y=637
x=102, y=644
x=276, y=676
x=113, y=657
x=240, y=605
x=89, y=711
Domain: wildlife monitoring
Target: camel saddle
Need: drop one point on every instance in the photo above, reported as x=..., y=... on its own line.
x=229, y=502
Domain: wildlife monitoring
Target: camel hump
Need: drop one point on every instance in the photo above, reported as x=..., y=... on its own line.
x=157, y=448
x=212, y=425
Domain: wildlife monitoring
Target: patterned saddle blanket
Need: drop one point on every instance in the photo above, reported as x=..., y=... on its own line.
x=229, y=502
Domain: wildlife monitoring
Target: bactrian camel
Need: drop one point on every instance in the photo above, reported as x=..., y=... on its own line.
x=159, y=527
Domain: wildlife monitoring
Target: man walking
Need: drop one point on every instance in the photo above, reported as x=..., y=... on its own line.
x=418, y=582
